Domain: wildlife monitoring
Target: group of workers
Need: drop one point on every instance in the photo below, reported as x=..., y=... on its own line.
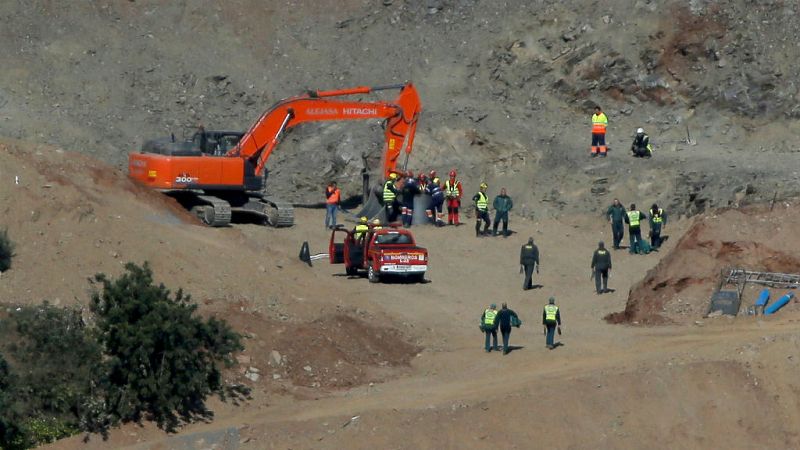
x=640, y=148
x=504, y=319
x=617, y=216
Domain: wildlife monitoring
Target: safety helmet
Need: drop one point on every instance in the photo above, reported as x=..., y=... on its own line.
x=393, y=176
x=410, y=174
x=432, y=174
x=376, y=221
x=484, y=185
x=640, y=131
x=453, y=173
x=363, y=219
x=422, y=176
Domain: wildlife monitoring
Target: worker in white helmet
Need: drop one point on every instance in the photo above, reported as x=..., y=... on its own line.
x=641, y=147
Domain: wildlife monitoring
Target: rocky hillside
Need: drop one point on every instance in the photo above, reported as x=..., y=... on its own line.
x=507, y=88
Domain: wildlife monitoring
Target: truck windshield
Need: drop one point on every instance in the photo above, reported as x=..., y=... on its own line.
x=393, y=238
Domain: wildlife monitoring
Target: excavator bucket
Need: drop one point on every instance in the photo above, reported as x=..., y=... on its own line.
x=372, y=209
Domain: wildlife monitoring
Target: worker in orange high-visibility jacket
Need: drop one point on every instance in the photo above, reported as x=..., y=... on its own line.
x=332, y=197
x=453, y=192
x=599, y=124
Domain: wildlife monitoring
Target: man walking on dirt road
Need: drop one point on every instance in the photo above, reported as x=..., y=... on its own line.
x=551, y=319
x=502, y=205
x=489, y=327
x=616, y=217
x=634, y=219
x=528, y=260
x=506, y=318
x=332, y=198
x=601, y=264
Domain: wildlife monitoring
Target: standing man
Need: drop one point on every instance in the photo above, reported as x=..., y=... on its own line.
x=658, y=221
x=599, y=124
x=634, y=219
x=434, y=189
x=529, y=259
x=502, y=205
x=481, y=201
x=361, y=228
x=551, y=318
x=410, y=190
x=641, y=147
x=506, y=318
x=390, y=198
x=601, y=264
x=616, y=217
x=332, y=198
x=489, y=326
x=453, y=193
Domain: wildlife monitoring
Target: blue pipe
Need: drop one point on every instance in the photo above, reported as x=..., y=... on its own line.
x=780, y=303
x=763, y=298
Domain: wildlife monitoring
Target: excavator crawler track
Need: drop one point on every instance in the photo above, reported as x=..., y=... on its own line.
x=215, y=212
x=279, y=213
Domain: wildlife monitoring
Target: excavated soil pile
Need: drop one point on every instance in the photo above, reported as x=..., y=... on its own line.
x=679, y=287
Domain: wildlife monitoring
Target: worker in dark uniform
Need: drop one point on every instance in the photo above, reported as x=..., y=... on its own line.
x=390, y=198
x=658, y=222
x=551, y=319
x=410, y=190
x=489, y=326
x=481, y=201
x=601, y=264
x=616, y=217
x=634, y=219
x=506, y=318
x=502, y=205
x=529, y=260
x=434, y=211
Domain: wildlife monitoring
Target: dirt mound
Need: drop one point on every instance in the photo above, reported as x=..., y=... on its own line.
x=679, y=287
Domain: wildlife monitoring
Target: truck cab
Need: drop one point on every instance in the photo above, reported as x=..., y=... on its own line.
x=380, y=252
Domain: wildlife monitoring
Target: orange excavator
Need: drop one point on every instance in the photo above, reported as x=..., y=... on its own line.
x=217, y=173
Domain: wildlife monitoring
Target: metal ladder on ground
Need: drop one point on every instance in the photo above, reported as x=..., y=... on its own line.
x=740, y=277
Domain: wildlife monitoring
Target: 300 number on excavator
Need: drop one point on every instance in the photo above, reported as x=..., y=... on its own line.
x=217, y=173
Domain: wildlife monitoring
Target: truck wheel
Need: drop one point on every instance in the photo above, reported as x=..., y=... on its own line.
x=372, y=276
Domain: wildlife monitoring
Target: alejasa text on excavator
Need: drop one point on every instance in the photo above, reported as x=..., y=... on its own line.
x=217, y=173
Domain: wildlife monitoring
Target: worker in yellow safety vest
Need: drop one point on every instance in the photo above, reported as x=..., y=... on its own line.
x=481, y=201
x=361, y=228
x=390, y=204
x=599, y=124
x=376, y=224
x=634, y=219
x=551, y=319
x=489, y=327
x=658, y=222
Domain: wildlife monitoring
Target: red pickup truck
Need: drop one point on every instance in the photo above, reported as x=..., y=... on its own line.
x=385, y=251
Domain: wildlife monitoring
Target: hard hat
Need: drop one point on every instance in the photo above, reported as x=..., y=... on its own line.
x=640, y=131
x=363, y=219
x=376, y=222
x=484, y=185
x=393, y=176
x=432, y=174
x=410, y=174
x=422, y=175
x=453, y=173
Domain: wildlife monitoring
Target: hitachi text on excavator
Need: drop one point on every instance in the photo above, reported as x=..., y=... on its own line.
x=217, y=173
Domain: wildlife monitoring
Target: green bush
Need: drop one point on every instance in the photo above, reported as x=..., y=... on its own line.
x=162, y=360
x=6, y=251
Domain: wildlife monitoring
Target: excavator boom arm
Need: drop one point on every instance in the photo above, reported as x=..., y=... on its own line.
x=401, y=117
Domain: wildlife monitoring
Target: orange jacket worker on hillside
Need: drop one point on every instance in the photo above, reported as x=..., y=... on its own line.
x=332, y=197
x=599, y=124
